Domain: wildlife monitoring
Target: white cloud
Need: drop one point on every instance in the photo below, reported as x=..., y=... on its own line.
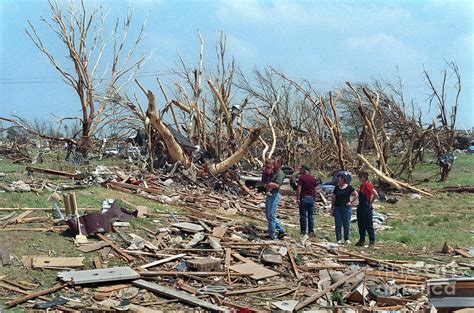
x=240, y=48
x=322, y=14
x=465, y=43
x=381, y=46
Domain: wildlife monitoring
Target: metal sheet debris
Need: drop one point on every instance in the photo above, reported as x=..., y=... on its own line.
x=99, y=275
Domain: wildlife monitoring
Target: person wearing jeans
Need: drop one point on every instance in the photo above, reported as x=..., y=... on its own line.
x=343, y=197
x=342, y=218
x=272, y=201
x=305, y=194
x=307, y=215
x=367, y=195
x=274, y=224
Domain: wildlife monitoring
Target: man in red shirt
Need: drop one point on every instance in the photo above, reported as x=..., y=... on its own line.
x=367, y=195
x=305, y=195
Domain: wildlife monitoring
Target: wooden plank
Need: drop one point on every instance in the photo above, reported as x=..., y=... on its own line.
x=38, y=219
x=54, y=172
x=463, y=253
x=21, y=216
x=176, y=273
x=45, y=262
x=159, y=239
x=134, y=187
x=18, y=290
x=396, y=276
x=93, y=246
x=14, y=284
x=193, y=250
x=228, y=256
x=142, y=210
x=244, y=307
x=293, y=264
x=106, y=289
x=317, y=267
x=34, y=295
x=162, y=261
x=257, y=271
x=388, y=264
x=205, y=226
x=219, y=232
x=6, y=188
x=323, y=198
x=181, y=296
x=5, y=255
x=318, y=295
x=255, y=290
x=228, y=252
x=97, y=262
x=241, y=258
x=116, y=248
x=14, y=219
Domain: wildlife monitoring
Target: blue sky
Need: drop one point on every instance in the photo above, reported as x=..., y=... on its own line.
x=326, y=42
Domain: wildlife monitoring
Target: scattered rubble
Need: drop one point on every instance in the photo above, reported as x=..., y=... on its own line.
x=206, y=258
x=244, y=272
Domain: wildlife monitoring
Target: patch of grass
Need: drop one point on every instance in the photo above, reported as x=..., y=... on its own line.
x=6, y=166
x=429, y=222
x=405, y=238
x=461, y=172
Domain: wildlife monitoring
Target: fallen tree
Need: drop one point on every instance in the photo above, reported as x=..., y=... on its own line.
x=174, y=150
x=456, y=189
x=223, y=166
x=401, y=186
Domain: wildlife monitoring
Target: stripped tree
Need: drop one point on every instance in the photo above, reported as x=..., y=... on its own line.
x=205, y=118
x=444, y=128
x=98, y=72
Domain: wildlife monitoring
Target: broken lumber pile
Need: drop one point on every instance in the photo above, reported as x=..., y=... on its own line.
x=183, y=261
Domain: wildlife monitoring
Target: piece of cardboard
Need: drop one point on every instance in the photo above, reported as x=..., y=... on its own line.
x=257, y=271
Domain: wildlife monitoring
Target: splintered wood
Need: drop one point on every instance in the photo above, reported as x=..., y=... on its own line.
x=204, y=257
x=63, y=262
x=257, y=272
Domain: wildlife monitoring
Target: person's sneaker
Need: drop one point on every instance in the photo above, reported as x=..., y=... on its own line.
x=304, y=237
x=347, y=242
x=281, y=236
x=312, y=235
x=360, y=243
x=268, y=237
x=372, y=244
x=339, y=242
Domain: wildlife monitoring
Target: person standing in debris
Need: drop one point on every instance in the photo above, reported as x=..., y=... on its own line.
x=343, y=197
x=367, y=195
x=305, y=196
x=267, y=172
x=273, y=200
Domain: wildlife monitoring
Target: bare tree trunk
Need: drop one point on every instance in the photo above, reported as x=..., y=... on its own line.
x=223, y=166
x=175, y=151
x=361, y=143
x=445, y=169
